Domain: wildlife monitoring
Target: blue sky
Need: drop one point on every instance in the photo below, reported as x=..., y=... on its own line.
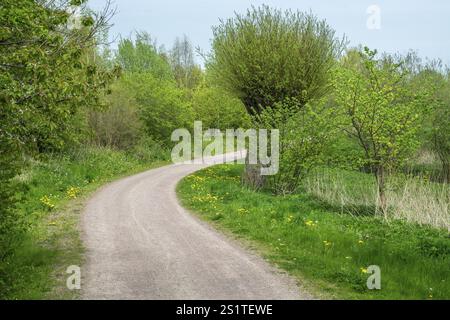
x=420, y=25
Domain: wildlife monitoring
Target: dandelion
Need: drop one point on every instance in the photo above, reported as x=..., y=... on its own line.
x=72, y=192
x=310, y=223
x=242, y=211
x=45, y=200
x=360, y=242
x=363, y=270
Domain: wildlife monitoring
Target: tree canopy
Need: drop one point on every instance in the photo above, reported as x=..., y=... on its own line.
x=268, y=55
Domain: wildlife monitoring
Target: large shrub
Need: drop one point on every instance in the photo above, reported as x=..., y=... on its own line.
x=119, y=124
x=304, y=135
x=267, y=55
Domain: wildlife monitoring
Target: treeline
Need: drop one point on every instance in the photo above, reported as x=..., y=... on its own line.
x=159, y=91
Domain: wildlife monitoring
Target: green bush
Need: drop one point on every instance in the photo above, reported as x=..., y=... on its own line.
x=148, y=150
x=119, y=125
x=304, y=134
x=218, y=109
x=267, y=55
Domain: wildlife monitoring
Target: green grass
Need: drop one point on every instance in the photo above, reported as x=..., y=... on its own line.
x=325, y=248
x=50, y=198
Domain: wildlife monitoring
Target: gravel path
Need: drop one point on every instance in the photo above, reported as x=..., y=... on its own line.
x=141, y=244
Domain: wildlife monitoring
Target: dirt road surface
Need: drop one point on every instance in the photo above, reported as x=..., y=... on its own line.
x=141, y=244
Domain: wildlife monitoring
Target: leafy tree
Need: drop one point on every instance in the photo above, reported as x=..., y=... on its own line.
x=48, y=73
x=267, y=55
x=142, y=56
x=218, y=109
x=147, y=77
x=439, y=133
x=161, y=105
x=384, y=112
x=119, y=125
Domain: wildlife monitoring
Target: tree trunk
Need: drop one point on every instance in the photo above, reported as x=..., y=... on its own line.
x=381, y=183
x=252, y=175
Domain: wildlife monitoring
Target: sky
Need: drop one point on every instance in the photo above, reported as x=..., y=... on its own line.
x=386, y=25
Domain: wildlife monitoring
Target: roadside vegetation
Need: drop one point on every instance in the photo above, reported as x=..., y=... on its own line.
x=363, y=176
x=321, y=243
x=364, y=146
x=50, y=196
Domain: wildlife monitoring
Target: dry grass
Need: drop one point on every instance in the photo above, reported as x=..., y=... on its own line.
x=410, y=198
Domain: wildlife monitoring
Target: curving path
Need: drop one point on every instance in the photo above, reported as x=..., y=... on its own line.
x=141, y=244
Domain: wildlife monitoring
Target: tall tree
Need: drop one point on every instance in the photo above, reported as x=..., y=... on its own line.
x=267, y=55
x=440, y=125
x=142, y=56
x=150, y=82
x=181, y=57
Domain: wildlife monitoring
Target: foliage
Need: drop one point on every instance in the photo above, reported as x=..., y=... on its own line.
x=382, y=110
x=161, y=104
x=48, y=75
x=440, y=128
x=142, y=56
x=218, y=109
x=267, y=55
x=148, y=82
x=119, y=125
x=304, y=134
x=410, y=198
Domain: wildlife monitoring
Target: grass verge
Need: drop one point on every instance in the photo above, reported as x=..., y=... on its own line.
x=319, y=244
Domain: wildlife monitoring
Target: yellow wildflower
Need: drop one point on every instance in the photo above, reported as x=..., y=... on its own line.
x=242, y=211
x=45, y=200
x=72, y=192
x=310, y=223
